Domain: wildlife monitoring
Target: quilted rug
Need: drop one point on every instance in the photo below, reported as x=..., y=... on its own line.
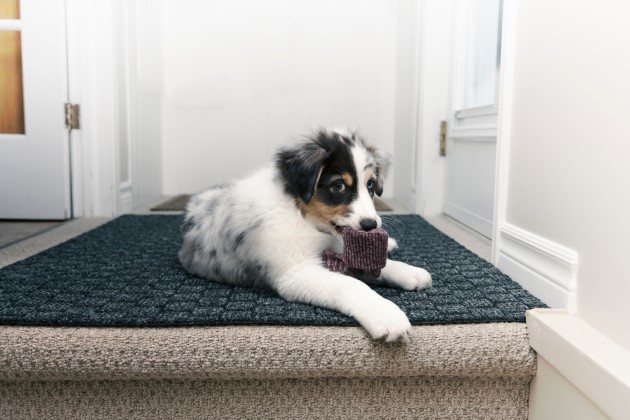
x=126, y=273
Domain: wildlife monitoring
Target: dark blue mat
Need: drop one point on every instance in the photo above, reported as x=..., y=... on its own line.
x=126, y=273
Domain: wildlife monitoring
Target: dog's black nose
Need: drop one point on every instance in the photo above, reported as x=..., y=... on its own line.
x=368, y=224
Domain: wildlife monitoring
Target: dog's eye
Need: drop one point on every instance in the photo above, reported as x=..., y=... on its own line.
x=339, y=186
x=370, y=185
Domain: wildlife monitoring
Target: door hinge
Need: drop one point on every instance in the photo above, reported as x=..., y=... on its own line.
x=72, y=114
x=442, y=138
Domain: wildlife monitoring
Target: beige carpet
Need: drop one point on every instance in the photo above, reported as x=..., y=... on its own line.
x=178, y=203
x=447, y=371
x=323, y=398
x=260, y=352
x=12, y=231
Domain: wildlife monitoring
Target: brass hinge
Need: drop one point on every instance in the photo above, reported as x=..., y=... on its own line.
x=442, y=138
x=72, y=113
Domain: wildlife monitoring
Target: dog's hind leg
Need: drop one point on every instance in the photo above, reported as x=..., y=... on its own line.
x=318, y=286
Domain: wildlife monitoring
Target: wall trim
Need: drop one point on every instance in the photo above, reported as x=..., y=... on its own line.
x=546, y=269
x=126, y=198
x=592, y=362
x=475, y=133
x=470, y=219
x=478, y=111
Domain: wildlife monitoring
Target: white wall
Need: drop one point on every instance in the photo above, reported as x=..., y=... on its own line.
x=569, y=177
x=566, y=102
x=243, y=76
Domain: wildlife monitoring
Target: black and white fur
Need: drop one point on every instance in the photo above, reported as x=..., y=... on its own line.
x=269, y=230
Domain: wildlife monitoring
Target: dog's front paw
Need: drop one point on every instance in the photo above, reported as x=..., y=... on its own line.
x=392, y=244
x=385, y=321
x=406, y=276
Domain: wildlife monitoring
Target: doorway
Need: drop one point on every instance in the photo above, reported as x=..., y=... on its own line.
x=34, y=142
x=471, y=139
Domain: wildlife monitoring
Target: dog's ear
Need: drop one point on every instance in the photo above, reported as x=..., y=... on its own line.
x=300, y=166
x=383, y=162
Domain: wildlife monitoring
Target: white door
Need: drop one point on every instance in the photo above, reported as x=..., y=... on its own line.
x=34, y=155
x=472, y=125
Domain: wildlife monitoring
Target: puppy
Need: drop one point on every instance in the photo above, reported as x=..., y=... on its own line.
x=270, y=229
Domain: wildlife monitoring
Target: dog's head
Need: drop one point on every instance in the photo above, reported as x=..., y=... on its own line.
x=333, y=177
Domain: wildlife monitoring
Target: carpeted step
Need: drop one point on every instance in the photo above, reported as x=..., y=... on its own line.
x=490, y=350
x=473, y=370
x=447, y=371
x=321, y=398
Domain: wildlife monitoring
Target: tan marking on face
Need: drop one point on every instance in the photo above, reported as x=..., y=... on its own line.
x=322, y=212
x=347, y=178
x=369, y=174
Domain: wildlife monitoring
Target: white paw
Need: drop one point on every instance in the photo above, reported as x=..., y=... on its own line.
x=392, y=244
x=384, y=320
x=406, y=276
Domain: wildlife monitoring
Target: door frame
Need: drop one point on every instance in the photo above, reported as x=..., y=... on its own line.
x=434, y=58
x=91, y=84
x=504, y=127
x=437, y=20
x=107, y=77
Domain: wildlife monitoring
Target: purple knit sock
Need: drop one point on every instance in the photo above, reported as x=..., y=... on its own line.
x=364, y=253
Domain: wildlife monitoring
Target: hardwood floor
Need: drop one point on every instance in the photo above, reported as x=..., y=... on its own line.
x=12, y=231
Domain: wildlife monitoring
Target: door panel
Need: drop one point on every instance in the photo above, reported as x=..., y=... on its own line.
x=471, y=184
x=11, y=93
x=472, y=134
x=34, y=162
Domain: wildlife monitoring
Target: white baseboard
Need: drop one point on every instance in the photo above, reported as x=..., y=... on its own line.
x=544, y=268
x=470, y=219
x=126, y=198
